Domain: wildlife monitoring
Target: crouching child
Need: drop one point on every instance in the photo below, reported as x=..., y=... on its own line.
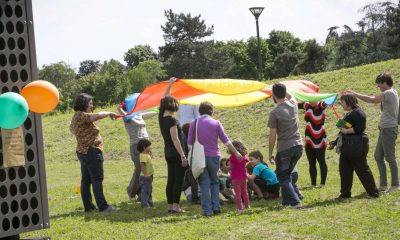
x=265, y=183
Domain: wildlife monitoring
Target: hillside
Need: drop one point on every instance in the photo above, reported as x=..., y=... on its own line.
x=322, y=217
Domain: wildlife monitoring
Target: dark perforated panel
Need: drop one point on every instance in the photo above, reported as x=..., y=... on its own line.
x=23, y=193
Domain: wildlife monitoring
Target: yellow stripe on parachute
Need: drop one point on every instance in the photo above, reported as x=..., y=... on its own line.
x=225, y=86
x=226, y=101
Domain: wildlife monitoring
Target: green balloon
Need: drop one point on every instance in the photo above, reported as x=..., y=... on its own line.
x=13, y=110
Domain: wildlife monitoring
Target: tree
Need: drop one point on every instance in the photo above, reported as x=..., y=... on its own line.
x=285, y=51
x=154, y=69
x=184, y=27
x=313, y=58
x=184, y=52
x=393, y=30
x=332, y=33
x=57, y=73
x=138, y=54
x=375, y=19
x=238, y=62
x=113, y=67
x=87, y=67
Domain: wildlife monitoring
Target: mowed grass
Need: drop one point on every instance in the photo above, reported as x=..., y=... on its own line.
x=322, y=217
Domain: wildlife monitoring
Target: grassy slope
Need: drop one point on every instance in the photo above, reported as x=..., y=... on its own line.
x=323, y=217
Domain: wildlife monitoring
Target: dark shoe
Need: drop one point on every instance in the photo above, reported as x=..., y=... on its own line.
x=207, y=215
x=110, y=209
x=372, y=196
x=217, y=211
x=297, y=206
x=340, y=197
x=91, y=209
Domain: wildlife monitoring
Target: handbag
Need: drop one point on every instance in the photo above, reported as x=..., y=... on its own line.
x=188, y=179
x=197, y=158
x=352, y=145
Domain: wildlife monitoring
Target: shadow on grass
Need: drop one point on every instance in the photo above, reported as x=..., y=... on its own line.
x=337, y=201
x=132, y=212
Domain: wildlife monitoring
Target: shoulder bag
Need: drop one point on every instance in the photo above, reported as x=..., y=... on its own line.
x=197, y=159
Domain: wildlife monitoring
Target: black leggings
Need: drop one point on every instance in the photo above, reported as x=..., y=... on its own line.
x=174, y=180
x=314, y=155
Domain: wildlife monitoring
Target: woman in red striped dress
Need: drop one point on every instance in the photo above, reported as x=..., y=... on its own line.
x=315, y=139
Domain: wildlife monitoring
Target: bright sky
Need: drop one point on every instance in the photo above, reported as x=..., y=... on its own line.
x=77, y=30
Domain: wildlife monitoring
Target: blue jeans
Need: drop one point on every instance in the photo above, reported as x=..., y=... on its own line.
x=92, y=174
x=209, y=186
x=286, y=160
x=146, y=188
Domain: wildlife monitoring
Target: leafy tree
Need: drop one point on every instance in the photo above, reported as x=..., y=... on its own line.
x=154, y=68
x=285, y=51
x=184, y=27
x=138, y=54
x=313, y=58
x=375, y=19
x=113, y=67
x=393, y=29
x=285, y=63
x=238, y=62
x=332, y=34
x=87, y=67
x=184, y=52
x=57, y=73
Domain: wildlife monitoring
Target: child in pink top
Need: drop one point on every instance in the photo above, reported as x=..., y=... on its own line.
x=238, y=176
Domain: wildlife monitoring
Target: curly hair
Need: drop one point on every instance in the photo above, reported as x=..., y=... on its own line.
x=82, y=102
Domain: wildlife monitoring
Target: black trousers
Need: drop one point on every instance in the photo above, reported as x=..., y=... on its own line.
x=174, y=180
x=265, y=187
x=314, y=155
x=347, y=166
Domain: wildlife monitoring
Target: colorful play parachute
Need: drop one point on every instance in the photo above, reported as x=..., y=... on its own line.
x=223, y=92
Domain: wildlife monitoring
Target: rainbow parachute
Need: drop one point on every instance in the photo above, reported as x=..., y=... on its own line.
x=221, y=93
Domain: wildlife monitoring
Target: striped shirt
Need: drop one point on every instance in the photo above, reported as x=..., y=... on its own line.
x=315, y=133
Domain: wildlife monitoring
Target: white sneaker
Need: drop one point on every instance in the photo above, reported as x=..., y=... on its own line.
x=383, y=189
x=239, y=210
x=297, y=206
x=393, y=188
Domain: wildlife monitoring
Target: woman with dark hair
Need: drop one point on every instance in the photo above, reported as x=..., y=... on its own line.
x=211, y=131
x=173, y=149
x=353, y=145
x=90, y=152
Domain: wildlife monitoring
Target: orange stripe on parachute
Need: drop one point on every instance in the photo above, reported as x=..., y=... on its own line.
x=151, y=95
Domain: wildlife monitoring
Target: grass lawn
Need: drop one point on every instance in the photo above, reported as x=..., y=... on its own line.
x=322, y=217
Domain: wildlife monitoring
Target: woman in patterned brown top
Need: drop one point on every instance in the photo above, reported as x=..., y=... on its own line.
x=90, y=152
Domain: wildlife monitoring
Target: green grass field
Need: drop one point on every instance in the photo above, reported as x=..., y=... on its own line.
x=322, y=217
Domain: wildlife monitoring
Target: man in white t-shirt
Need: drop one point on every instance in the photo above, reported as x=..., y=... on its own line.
x=388, y=129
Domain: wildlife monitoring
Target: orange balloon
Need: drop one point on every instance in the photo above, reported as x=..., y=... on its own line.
x=42, y=96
